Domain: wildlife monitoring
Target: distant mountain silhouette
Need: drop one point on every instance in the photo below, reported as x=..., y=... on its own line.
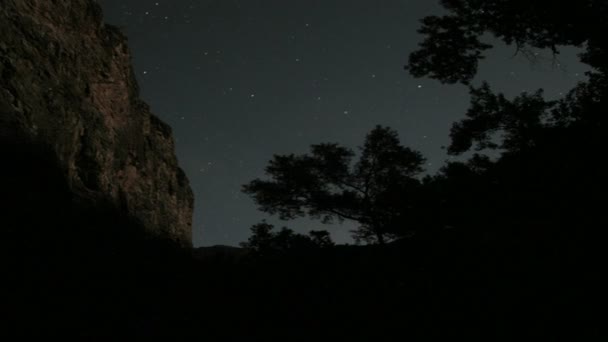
x=220, y=253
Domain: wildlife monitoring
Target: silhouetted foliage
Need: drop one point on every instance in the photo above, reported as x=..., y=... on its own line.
x=325, y=184
x=493, y=122
x=321, y=238
x=452, y=47
x=539, y=146
x=265, y=241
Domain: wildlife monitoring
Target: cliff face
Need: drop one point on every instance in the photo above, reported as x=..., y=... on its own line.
x=67, y=84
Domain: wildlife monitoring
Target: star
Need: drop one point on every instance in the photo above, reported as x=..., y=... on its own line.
x=314, y=74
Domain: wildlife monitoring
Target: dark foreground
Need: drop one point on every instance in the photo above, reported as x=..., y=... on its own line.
x=74, y=270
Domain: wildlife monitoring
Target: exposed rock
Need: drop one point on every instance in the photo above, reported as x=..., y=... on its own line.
x=67, y=84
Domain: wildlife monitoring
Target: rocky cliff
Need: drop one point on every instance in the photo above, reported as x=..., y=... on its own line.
x=68, y=87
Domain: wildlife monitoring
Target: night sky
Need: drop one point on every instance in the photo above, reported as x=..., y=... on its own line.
x=242, y=80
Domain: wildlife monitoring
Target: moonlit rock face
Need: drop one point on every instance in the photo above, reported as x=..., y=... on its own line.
x=67, y=83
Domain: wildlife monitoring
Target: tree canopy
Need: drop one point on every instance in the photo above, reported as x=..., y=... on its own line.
x=453, y=44
x=545, y=168
x=265, y=241
x=326, y=184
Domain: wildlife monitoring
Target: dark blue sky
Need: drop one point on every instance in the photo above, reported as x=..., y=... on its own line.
x=242, y=80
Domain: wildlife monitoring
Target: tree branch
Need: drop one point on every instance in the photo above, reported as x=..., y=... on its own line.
x=346, y=216
x=352, y=186
x=309, y=200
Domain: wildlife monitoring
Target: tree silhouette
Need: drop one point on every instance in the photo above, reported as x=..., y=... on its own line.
x=264, y=241
x=321, y=238
x=544, y=174
x=517, y=123
x=377, y=191
x=452, y=47
x=527, y=125
x=261, y=237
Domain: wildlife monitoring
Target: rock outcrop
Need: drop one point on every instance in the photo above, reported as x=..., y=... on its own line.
x=67, y=85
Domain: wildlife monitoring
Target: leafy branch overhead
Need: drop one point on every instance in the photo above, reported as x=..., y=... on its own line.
x=452, y=46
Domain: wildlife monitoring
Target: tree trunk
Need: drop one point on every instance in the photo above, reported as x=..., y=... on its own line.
x=380, y=237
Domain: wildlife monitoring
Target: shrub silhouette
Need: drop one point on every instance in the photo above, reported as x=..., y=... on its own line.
x=265, y=241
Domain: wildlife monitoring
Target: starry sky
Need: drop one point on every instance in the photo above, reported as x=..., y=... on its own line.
x=241, y=80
